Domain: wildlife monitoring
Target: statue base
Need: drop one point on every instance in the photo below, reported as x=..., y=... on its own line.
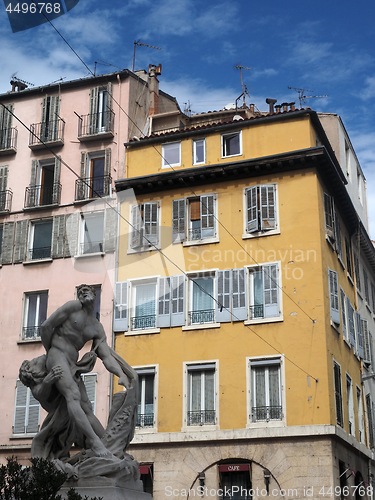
x=107, y=493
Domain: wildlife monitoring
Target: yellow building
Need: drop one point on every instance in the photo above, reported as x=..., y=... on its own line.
x=236, y=302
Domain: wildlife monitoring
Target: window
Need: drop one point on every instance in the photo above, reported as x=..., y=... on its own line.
x=145, y=225
x=260, y=208
x=350, y=313
x=143, y=306
x=202, y=302
x=266, y=401
x=4, y=193
x=95, y=175
x=329, y=216
x=90, y=381
x=338, y=394
x=350, y=405
x=92, y=233
x=26, y=413
x=146, y=397
x=100, y=119
x=171, y=154
x=146, y=472
x=40, y=240
x=231, y=144
x=50, y=119
x=45, y=187
x=365, y=284
x=357, y=273
x=199, y=151
x=359, y=336
x=369, y=411
x=348, y=257
x=35, y=313
x=6, y=126
x=367, y=342
x=338, y=240
x=197, y=216
x=264, y=292
x=334, y=296
x=201, y=394
x=360, y=415
x=1, y=240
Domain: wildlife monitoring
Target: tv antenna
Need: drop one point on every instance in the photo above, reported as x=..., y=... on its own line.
x=244, y=88
x=19, y=82
x=140, y=44
x=302, y=96
x=104, y=63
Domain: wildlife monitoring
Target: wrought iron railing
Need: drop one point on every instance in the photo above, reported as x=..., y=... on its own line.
x=199, y=317
x=39, y=253
x=143, y=322
x=195, y=234
x=93, y=187
x=96, y=123
x=145, y=420
x=91, y=247
x=256, y=311
x=31, y=332
x=8, y=139
x=266, y=413
x=36, y=196
x=201, y=417
x=6, y=200
x=51, y=131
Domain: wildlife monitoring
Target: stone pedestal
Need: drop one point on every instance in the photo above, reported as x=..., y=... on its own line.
x=107, y=493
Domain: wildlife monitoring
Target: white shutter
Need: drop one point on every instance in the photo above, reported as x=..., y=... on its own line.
x=164, y=302
x=271, y=290
x=19, y=426
x=252, y=209
x=358, y=328
x=268, y=207
x=366, y=341
x=136, y=229
x=89, y=381
x=239, y=303
x=150, y=222
x=121, y=311
x=223, y=305
x=334, y=296
x=33, y=411
x=371, y=349
x=350, y=311
x=178, y=220
x=208, y=216
x=343, y=314
x=178, y=300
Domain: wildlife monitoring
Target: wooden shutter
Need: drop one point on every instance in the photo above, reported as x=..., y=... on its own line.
x=107, y=163
x=33, y=179
x=271, y=290
x=338, y=241
x=56, y=181
x=208, y=216
x=53, y=127
x=8, y=243
x=366, y=341
x=239, y=302
x=33, y=411
x=252, y=210
x=223, y=294
x=19, y=426
x=109, y=95
x=71, y=234
x=343, y=314
x=358, y=329
x=178, y=220
x=58, y=236
x=108, y=111
x=334, y=296
x=89, y=381
x=150, y=223
x=136, y=228
x=21, y=241
x=178, y=300
x=93, y=110
x=5, y=126
x=268, y=207
x=164, y=302
x=350, y=311
x=195, y=209
x=121, y=311
x=328, y=215
x=3, y=185
x=110, y=230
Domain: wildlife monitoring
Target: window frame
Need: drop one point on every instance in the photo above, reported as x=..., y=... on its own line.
x=132, y=297
x=260, y=232
x=81, y=233
x=229, y=135
x=164, y=152
x=189, y=298
x=25, y=316
x=195, y=161
x=31, y=242
x=337, y=393
x=145, y=370
x=135, y=211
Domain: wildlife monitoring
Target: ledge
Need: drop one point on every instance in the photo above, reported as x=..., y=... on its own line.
x=87, y=255
x=204, y=241
x=263, y=320
x=201, y=326
x=260, y=234
x=37, y=261
x=148, y=331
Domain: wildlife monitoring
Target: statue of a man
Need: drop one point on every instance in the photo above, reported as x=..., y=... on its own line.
x=63, y=334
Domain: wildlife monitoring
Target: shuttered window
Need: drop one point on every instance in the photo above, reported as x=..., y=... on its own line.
x=264, y=292
x=178, y=220
x=334, y=296
x=366, y=341
x=350, y=312
x=366, y=286
x=261, y=208
x=348, y=252
x=357, y=272
x=194, y=219
x=145, y=225
x=5, y=126
x=27, y=410
x=329, y=216
x=359, y=336
x=338, y=394
x=343, y=315
x=120, y=320
x=338, y=241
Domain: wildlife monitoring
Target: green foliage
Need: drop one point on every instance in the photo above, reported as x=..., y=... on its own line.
x=41, y=481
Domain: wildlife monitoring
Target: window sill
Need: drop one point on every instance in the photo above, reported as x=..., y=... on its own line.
x=201, y=326
x=232, y=156
x=260, y=234
x=200, y=428
x=368, y=307
x=335, y=327
x=263, y=320
x=265, y=424
x=41, y=207
x=22, y=436
x=142, y=332
x=29, y=341
x=37, y=261
x=330, y=242
x=86, y=255
x=341, y=261
x=347, y=342
x=172, y=165
x=146, y=430
x=133, y=251
x=350, y=279
x=205, y=241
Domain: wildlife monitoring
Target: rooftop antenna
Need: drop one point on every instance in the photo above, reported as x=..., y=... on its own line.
x=140, y=44
x=104, y=63
x=302, y=96
x=244, y=89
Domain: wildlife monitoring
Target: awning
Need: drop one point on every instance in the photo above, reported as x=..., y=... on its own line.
x=234, y=467
x=144, y=469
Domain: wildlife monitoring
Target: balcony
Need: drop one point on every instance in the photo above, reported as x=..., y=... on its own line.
x=31, y=333
x=91, y=247
x=145, y=420
x=96, y=126
x=256, y=312
x=143, y=322
x=49, y=134
x=201, y=417
x=266, y=413
x=201, y=317
x=93, y=187
x=39, y=253
x=6, y=200
x=39, y=196
x=8, y=141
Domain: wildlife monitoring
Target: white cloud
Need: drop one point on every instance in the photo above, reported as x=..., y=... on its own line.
x=369, y=90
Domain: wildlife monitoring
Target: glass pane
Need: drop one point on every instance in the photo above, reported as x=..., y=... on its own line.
x=42, y=308
x=196, y=390
x=209, y=390
x=31, y=316
x=260, y=387
x=42, y=236
x=171, y=154
x=274, y=385
x=149, y=393
x=145, y=300
x=232, y=145
x=203, y=289
x=93, y=233
x=199, y=152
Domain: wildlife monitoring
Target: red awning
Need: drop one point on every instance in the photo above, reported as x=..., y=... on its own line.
x=144, y=469
x=234, y=467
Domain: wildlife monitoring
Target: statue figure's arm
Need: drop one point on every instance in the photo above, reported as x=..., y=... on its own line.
x=42, y=390
x=56, y=319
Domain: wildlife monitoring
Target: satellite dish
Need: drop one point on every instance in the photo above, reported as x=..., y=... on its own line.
x=231, y=105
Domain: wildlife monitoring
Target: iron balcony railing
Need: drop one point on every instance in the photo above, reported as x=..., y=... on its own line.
x=31, y=332
x=143, y=322
x=36, y=196
x=91, y=247
x=6, y=200
x=199, y=317
x=195, y=234
x=266, y=413
x=96, y=123
x=39, y=253
x=8, y=139
x=201, y=417
x=48, y=132
x=256, y=311
x=93, y=187
x=145, y=420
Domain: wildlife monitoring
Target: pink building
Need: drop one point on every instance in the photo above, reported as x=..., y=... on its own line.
x=61, y=149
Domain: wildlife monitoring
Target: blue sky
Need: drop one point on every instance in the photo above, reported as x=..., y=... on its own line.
x=326, y=47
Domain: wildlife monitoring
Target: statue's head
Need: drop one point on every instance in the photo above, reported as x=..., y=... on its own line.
x=86, y=293
x=33, y=371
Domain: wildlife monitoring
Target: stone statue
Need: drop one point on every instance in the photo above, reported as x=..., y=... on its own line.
x=55, y=381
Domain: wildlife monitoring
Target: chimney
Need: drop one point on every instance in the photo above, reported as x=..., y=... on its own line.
x=271, y=103
x=285, y=106
x=153, y=85
x=16, y=84
x=292, y=106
